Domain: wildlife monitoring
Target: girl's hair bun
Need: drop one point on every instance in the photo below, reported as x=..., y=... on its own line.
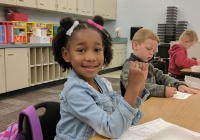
x=66, y=22
x=99, y=20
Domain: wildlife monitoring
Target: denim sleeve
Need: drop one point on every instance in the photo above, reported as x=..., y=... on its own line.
x=138, y=103
x=81, y=104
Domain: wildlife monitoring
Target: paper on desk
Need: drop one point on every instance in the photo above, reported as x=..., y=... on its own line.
x=192, y=82
x=140, y=132
x=181, y=95
x=195, y=68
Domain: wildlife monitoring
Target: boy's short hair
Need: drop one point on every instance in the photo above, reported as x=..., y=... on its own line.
x=191, y=35
x=142, y=34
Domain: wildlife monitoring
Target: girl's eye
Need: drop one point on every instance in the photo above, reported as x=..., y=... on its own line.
x=148, y=49
x=81, y=50
x=97, y=50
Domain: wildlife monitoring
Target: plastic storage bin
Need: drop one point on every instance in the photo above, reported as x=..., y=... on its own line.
x=17, y=17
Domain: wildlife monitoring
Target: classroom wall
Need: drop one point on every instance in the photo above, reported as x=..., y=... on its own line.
x=132, y=13
x=150, y=13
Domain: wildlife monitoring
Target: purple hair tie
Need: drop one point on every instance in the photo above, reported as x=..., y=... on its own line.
x=95, y=24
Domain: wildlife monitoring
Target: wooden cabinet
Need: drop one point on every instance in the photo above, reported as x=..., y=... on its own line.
x=72, y=6
x=47, y=4
x=62, y=6
x=16, y=66
x=119, y=55
x=89, y=7
x=43, y=69
x=27, y=3
x=10, y=2
x=111, y=9
x=105, y=8
x=99, y=7
x=85, y=7
x=2, y=72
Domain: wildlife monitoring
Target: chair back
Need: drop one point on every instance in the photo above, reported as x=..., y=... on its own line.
x=159, y=65
x=48, y=120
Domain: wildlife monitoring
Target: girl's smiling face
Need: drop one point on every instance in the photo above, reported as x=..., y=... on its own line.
x=85, y=53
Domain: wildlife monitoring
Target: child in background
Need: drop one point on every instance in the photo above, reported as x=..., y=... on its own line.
x=178, y=54
x=144, y=44
x=88, y=103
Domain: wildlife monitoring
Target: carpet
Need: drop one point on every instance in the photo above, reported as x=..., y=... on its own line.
x=10, y=107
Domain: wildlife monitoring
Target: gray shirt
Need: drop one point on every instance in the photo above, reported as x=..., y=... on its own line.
x=156, y=81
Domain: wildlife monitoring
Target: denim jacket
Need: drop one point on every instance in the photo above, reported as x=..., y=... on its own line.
x=85, y=111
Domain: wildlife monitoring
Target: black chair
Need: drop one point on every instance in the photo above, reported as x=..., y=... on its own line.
x=159, y=65
x=123, y=90
x=48, y=120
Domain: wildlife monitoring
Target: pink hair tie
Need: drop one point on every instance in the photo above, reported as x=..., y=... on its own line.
x=95, y=24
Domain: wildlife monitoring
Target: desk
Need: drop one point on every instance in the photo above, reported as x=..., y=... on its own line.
x=188, y=71
x=185, y=113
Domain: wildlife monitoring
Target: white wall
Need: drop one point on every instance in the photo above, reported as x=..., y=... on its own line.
x=150, y=13
x=130, y=13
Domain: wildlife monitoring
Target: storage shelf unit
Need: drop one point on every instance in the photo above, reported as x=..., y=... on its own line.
x=43, y=69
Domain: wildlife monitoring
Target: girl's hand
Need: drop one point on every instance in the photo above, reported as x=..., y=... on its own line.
x=136, y=75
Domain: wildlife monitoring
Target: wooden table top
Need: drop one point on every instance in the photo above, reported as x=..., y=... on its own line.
x=185, y=113
x=188, y=71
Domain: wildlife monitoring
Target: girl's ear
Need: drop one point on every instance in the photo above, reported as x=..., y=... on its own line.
x=135, y=45
x=65, y=54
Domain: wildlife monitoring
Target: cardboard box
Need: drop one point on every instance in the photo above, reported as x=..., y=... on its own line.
x=36, y=39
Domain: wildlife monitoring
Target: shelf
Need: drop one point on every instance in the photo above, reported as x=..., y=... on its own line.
x=63, y=74
x=29, y=32
x=38, y=55
x=32, y=66
x=39, y=74
x=45, y=57
x=32, y=56
x=51, y=57
x=18, y=27
x=51, y=72
x=45, y=73
x=33, y=76
x=57, y=71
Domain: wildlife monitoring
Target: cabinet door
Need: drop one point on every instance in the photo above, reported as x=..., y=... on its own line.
x=72, y=6
x=47, y=4
x=62, y=6
x=11, y=2
x=111, y=6
x=99, y=7
x=27, y=3
x=122, y=57
x=2, y=72
x=89, y=7
x=115, y=60
x=16, y=63
x=81, y=7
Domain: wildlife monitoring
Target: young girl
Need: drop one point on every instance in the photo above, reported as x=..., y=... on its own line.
x=88, y=103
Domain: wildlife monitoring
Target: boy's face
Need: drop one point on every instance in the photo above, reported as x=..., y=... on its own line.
x=187, y=44
x=145, y=50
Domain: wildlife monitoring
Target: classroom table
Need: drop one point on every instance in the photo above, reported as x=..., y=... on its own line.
x=188, y=71
x=185, y=113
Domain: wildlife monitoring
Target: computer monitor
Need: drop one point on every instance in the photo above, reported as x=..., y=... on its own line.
x=133, y=31
x=163, y=50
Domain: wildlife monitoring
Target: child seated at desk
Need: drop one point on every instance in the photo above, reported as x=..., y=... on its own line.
x=144, y=44
x=178, y=54
x=88, y=105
